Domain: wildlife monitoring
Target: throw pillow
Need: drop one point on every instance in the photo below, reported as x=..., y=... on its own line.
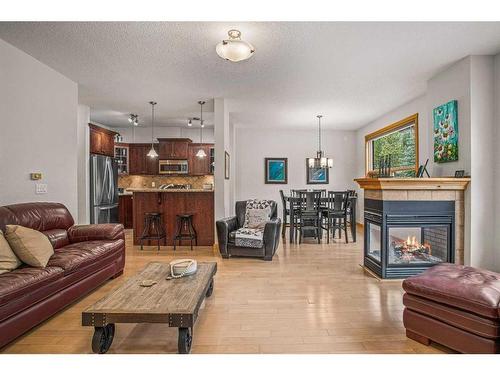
x=31, y=246
x=257, y=217
x=8, y=260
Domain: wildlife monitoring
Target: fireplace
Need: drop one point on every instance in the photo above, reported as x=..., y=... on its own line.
x=403, y=238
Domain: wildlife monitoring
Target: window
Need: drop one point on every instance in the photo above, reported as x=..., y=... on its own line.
x=400, y=141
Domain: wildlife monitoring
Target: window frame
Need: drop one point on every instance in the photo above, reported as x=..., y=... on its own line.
x=401, y=124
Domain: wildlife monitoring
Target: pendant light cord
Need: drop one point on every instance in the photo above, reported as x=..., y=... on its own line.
x=152, y=121
x=319, y=132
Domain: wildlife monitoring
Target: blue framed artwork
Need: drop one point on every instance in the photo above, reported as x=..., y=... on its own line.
x=276, y=170
x=317, y=175
x=446, y=132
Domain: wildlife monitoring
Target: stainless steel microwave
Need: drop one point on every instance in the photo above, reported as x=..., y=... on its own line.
x=173, y=167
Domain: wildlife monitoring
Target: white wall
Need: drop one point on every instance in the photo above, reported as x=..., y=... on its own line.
x=496, y=161
x=83, y=119
x=38, y=130
x=142, y=134
x=418, y=105
x=223, y=142
x=253, y=145
x=482, y=189
x=451, y=84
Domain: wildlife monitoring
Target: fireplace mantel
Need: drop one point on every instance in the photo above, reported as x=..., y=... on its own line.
x=433, y=183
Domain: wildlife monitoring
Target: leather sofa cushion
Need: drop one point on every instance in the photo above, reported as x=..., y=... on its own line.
x=94, y=232
x=467, y=288
x=75, y=256
x=41, y=216
x=57, y=237
x=24, y=280
x=489, y=328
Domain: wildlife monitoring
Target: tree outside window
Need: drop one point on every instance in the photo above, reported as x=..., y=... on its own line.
x=399, y=141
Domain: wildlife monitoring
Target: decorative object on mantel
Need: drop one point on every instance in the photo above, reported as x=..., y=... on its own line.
x=226, y=165
x=422, y=169
x=384, y=166
x=152, y=153
x=320, y=161
x=234, y=49
x=460, y=173
x=446, y=132
x=201, y=152
x=276, y=170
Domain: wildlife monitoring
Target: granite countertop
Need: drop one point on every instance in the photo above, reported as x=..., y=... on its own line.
x=155, y=190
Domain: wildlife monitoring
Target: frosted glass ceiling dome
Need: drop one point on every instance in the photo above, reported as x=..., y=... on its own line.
x=234, y=49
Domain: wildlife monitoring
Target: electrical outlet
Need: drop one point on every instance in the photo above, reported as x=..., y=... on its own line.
x=41, y=189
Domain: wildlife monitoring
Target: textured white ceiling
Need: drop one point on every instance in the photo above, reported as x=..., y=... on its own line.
x=350, y=72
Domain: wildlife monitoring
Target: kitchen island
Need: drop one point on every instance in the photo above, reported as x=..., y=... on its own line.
x=174, y=202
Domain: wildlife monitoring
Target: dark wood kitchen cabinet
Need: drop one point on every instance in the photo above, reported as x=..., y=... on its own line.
x=140, y=162
x=174, y=148
x=198, y=166
x=102, y=141
x=125, y=211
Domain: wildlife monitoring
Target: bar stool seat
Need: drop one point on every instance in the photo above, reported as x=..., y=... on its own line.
x=185, y=230
x=153, y=229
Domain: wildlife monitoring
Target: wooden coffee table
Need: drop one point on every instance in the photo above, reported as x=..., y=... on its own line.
x=174, y=302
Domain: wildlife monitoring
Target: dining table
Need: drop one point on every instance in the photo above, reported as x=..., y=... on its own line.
x=323, y=206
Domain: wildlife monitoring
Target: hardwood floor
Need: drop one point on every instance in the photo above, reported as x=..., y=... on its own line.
x=310, y=299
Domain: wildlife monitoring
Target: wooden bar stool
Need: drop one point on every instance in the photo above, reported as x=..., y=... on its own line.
x=185, y=230
x=153, y=229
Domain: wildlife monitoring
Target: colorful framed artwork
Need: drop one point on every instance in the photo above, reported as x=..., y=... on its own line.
x=276, y=170
x=446, y=132
x=226, y=165
x=317, y=175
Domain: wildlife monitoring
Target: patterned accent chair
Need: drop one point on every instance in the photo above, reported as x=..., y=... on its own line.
x=227, y=227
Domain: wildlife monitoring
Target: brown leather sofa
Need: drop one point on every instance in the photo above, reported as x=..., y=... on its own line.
x=456, y=306
x=85, y=257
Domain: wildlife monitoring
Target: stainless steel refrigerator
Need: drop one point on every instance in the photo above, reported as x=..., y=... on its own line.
x=103, y=189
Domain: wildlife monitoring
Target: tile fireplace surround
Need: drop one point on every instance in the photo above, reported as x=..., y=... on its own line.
x=422, y=189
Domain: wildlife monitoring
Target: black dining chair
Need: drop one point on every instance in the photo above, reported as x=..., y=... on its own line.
x=336, y=214
x=309, y=214
x=286, y=213
x=351, y=211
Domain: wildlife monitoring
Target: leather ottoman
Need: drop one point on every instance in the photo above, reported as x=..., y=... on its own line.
x=456, y=306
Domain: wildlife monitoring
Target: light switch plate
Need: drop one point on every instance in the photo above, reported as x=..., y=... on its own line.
x=41, y=189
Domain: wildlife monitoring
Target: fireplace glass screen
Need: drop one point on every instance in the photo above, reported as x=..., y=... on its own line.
x=417, y=245
x=374, y=241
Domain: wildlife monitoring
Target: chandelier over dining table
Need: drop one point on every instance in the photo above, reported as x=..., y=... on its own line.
x=320, y=161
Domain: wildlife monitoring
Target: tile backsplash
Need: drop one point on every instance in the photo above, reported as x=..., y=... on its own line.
x=135, y=181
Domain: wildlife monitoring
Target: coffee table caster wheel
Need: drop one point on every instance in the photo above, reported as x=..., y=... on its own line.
x=210, y=288
x=102, y=339
x=185, y=340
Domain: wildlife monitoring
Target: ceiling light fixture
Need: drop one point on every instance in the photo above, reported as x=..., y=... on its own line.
x=133, y=119
x=234, y=49
x=152, y=153
x=201, y=152
x=320, y=161
x=190, y=122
